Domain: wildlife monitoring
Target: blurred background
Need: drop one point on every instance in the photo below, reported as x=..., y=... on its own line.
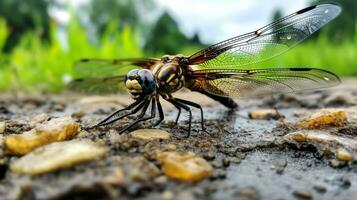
x=40, y=39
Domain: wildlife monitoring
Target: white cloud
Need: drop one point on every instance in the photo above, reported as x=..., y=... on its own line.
x=219, y=20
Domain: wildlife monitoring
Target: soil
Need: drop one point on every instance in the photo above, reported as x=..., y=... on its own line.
x=250, y=158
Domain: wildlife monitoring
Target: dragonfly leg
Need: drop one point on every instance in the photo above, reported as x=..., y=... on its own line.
x=111, y=118
x=142, y=114
x=185, y=107
x=161, y=112
x=178, y=114
x=193, y=105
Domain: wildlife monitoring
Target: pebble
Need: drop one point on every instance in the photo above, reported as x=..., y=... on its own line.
x=57, y=129
x=2, y=127
x=337, y=163
x=320, y=188
x=167, y=195
x=326, y=117
x=248, y=193
x=40, y=118
x=264, y=114
x=57, y=155
x=339, y=99
x=116, y=178
x=279, y=165
x=344, y=155
x=209, y=156
x=302, y=194
x=141, y=170
x=186, y=166
x=150, y=134
x=218, y=174
x=226, y=162
x=326, y=142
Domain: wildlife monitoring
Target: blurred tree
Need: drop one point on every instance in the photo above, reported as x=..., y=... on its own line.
x=124, y=12
x=23, y=16
x=166, y=37
x=277, y=14
x=344, y=26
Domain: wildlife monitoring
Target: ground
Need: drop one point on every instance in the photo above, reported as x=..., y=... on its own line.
x=251, y=158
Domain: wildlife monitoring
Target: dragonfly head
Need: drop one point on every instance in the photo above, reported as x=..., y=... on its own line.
x=140, y=82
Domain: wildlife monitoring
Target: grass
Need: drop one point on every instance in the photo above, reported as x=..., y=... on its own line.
x=34, y=65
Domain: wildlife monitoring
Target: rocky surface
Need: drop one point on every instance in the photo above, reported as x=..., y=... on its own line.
x=260, y=151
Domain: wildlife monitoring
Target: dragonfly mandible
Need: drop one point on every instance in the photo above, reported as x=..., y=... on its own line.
x=220, y=71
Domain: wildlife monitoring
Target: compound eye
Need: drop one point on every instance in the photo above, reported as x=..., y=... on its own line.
x=145, y=75
x=132, y=73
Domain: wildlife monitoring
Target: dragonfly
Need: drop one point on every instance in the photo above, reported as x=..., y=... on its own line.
x=220, y=71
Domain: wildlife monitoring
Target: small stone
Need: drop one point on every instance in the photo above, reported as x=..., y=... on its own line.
x=327, y=117
x=40, y=118
x=337, y=163
x=298, y=137
x=2, y=127
x=209, y=156
x=218, y=163
x=57, y=129
x=339, y=98
x=264, y=114
x=56, y=156
x=218, y=174
x=279, y=165
x=250, y=193
x=167, y=195
x=185, y=195
x=320, y=188
x=344, y=182
x=226, y=162
x=115, y=179
x=161, y=180
x=169, y=147
x=326, y=142
x=343, y=155
x=235, y=160
x=150, y=134
x=142, y=170
x=302, y=194
x=184, y=166
x=78, y=114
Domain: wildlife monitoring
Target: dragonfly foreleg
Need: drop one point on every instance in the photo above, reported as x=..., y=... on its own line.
x=114, y=116
x=161, y=112
x=142, y=114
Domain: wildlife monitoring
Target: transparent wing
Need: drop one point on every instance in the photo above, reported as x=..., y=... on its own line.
x=107, y=85
x=110, y=67
x=261, y=82
x=268, y=41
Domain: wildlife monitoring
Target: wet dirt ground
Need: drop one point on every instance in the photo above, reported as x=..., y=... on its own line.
x=250, y=158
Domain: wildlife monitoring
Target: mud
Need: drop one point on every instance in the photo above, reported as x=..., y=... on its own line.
x=251, y=160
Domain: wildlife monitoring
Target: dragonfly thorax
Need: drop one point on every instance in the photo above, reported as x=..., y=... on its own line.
x=140, y=82
x=169, y=74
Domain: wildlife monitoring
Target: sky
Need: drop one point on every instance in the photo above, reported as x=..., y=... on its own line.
x=213, y=20
x=217, y=20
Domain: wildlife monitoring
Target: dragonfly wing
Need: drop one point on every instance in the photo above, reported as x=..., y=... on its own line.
x=268, y=41
x=110, y=67
x=261, y=82
x=107, y=85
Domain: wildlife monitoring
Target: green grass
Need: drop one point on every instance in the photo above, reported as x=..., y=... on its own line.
x=340, y=58
x=34, y=65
